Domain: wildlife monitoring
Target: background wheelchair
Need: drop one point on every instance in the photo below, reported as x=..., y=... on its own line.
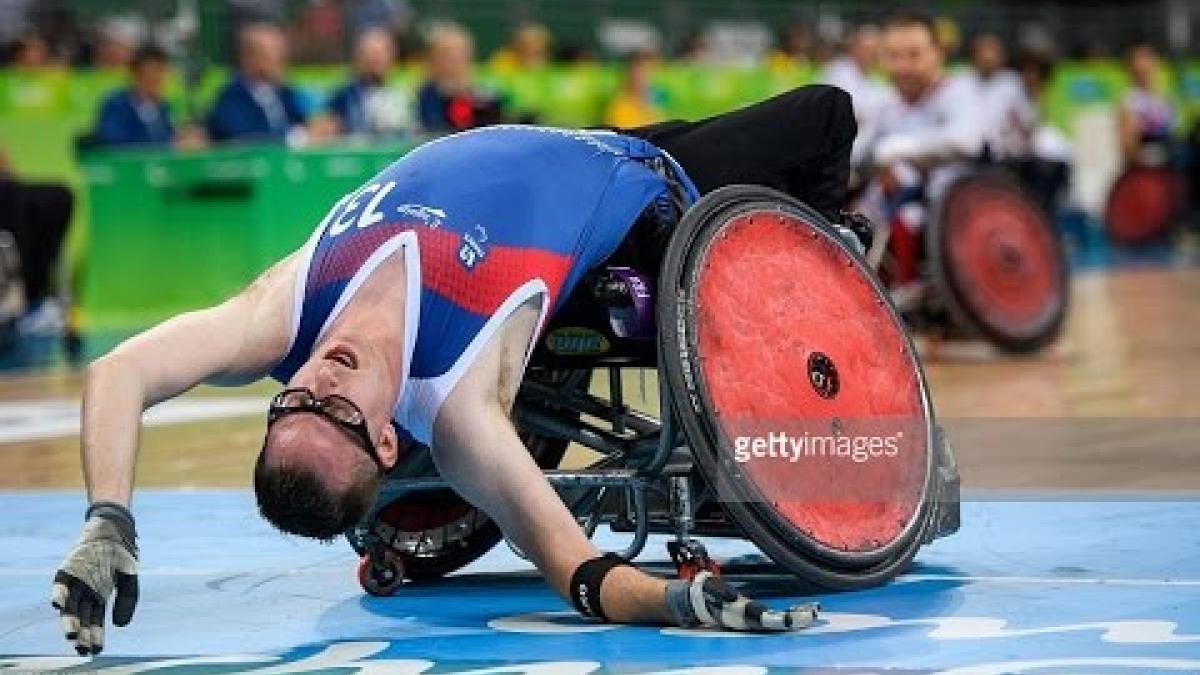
x=762, y=319
x=991, y=265
x=1144, y=205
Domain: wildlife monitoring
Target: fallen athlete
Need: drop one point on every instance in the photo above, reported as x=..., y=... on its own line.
x=410, y=314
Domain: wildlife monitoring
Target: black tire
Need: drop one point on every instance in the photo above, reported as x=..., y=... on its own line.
x=482, y=535
x=805, y=559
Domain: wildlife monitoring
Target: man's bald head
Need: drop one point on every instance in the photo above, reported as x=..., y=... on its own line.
x=312, y=478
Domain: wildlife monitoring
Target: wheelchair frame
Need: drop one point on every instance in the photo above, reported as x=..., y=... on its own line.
x=648, y=480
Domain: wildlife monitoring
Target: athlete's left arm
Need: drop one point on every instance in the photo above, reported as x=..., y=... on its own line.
x=232, y=343
x=235, y=341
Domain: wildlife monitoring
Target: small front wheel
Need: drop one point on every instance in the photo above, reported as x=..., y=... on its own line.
x=380, y=578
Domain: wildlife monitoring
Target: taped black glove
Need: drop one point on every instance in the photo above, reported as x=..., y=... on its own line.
x=103, y=560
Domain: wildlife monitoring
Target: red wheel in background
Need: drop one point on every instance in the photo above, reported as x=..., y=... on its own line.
x=1143, y=205
x=798, y=388
x=998, y=263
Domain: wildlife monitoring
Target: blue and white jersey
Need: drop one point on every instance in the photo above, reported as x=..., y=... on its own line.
x=486, y=220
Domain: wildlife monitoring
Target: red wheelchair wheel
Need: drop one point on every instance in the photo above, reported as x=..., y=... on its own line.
x=998, y=263
x=1143, y=205
x=797, y=387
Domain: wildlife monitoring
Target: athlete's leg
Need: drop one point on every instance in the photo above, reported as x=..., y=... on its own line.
x=798, y=142
x=478, y=451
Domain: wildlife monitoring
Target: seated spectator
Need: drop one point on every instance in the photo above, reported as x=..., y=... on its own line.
x=31, y=52
x=636, y=103
x=795, y=48
x=367, y=105
x=37, y=216
x=257, y=104
x=854, y=73
x=449, y=100
x=118, y=38
x=137, y=115
x=528, y=50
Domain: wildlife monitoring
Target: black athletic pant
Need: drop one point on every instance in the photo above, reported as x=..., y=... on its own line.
x=37, y=215
x=797, y=142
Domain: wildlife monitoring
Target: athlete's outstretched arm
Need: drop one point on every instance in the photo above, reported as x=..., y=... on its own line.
x=231, y=343
x=478, y=451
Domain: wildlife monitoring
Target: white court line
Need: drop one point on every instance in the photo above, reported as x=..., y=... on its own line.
x=914, y=578
x=55, y=418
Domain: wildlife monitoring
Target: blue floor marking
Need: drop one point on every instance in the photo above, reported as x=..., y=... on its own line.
x=1114, y=582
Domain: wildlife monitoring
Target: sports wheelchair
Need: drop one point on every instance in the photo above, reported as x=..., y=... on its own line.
x=777, y=352
x=990, y=263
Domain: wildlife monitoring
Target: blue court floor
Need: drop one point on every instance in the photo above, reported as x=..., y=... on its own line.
x=1063, y=585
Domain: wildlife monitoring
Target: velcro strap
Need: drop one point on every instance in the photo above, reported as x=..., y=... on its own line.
x=586, y=582
x=120, y=517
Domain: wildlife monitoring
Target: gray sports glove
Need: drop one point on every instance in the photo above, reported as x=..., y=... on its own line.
x=708, y=601
x=104, y=559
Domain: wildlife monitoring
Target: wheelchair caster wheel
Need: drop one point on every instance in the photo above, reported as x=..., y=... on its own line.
x=380, y=578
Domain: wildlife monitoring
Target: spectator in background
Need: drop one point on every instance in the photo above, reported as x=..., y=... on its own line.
x=1047, y=167
x=696, y=49
x=529, y=49
x=137, y=115
x=118, y=38
x=317, y=33
x=449, y=99
x=635, y=103
x=795, y=48
x=367, y=105
x=1010, y=118
x=854, y=72
x=32, y=52
x=256, y=104
x=37, y=216
x=1147, y=118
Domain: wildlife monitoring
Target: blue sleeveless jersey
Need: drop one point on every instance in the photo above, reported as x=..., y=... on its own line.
x=485, y=220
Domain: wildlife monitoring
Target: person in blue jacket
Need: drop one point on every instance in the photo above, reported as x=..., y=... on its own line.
x=257, y=105
x=366, y=104
x=138, y=115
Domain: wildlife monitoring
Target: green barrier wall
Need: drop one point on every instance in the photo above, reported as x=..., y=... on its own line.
x=173, y=232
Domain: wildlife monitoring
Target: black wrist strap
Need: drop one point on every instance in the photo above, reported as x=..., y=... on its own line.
x=586, y=582
x=119, y=516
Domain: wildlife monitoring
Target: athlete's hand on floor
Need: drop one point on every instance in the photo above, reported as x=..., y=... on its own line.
x=104, y=559
x=708, y=601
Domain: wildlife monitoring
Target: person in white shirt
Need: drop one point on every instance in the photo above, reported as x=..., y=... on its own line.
x=1147, y=118
x=853, y=72
x=928, y=132
x=1010, y=117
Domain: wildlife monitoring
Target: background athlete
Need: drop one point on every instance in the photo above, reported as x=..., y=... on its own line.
x=409, y=315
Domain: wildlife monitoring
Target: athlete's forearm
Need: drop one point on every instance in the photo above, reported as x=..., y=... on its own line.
x=113, y=401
